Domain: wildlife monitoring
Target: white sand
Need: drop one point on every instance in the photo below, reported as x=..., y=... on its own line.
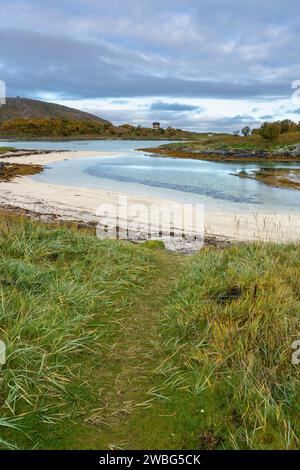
x=52, y=157
x=80, y=204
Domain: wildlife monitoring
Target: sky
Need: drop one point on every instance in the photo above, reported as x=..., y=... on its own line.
x=195, y=64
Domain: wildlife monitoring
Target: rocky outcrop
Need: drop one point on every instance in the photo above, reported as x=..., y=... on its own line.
x=288, y=153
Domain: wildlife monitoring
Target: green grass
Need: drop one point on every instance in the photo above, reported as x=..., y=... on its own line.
x=154, y=244
x=227, y=142
x=119, y=346
x=62, y=296
x=7, y=149
x=234, y=351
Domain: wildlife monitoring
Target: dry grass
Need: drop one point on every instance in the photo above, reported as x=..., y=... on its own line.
x=62, y=293
x=231, y=323
x=102, y=355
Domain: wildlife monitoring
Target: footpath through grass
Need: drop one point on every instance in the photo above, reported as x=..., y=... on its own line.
x=79, y=317
x=117, y=346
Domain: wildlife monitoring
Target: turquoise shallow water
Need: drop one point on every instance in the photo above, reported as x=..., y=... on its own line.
x=210, y=183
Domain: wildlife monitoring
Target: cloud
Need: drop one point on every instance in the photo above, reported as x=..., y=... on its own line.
x=165, y=106
x=168, y=51
x=119, y=101
x=124, y=50
x=144, y=116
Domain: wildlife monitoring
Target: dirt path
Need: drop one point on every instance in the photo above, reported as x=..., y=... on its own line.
x=130, y=415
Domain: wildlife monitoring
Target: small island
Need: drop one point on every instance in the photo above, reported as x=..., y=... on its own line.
x=277, y=142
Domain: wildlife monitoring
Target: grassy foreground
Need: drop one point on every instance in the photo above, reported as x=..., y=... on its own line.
x=230, y=326
x=112, y=345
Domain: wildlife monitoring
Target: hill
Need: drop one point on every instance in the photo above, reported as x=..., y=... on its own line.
x=22, y=118
x=24, y=108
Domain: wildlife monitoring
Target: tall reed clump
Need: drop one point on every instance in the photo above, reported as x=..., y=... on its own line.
x=229, y=328
x=62, y=295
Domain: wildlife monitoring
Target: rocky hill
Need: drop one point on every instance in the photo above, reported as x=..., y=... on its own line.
x=24, y=108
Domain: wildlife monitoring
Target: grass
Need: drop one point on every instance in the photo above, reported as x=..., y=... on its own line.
x=7, y=149
x=231, y=322
x=233, y=148
x=252, y=142
x=9, y=171
x=120, y=346
x=62, y=295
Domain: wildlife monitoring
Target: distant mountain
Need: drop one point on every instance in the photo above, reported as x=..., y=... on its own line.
x=24, y=108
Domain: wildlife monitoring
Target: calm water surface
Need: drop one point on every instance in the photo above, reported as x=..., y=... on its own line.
x=210, y=183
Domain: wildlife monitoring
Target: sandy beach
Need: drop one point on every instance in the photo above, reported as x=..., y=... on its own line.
x=79, y=204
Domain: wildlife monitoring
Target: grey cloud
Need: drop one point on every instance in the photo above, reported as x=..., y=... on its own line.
x=173, y=49
x=119, y=101
x=191, y=121
x=111, y=65
x=35, y=62
x=164, y=106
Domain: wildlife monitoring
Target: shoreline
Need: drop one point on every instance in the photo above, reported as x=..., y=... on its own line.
x=32, y=157
x=219, y=157
x=274, y=177
x=79, y=138
x=48, y=202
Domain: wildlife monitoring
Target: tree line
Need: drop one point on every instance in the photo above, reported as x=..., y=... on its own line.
x=270, y=130
x=64, y=128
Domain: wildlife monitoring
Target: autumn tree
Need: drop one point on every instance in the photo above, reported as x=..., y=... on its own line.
x=270, y=131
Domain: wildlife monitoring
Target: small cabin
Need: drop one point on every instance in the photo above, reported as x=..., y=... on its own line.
x=156, y=125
